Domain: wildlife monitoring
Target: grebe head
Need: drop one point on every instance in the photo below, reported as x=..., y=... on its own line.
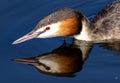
x=65, y=22
x=63, y=61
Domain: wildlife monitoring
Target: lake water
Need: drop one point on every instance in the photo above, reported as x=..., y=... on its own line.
x=18, y=17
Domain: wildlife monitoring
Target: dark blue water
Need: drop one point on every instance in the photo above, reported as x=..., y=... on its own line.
x=18, y=17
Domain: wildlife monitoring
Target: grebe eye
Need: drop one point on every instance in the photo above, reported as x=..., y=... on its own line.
x=47, y=28
x=47, y=68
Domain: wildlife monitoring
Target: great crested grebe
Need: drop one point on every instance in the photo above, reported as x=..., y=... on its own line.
x=70, y=22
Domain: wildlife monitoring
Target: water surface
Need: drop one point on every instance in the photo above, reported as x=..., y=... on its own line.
x=18, y=17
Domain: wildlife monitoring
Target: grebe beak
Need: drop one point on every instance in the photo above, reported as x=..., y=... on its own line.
x=28, y=61
x=26, y=37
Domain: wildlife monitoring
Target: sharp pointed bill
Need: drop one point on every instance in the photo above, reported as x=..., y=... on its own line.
x=26, y=37
x=28, y=61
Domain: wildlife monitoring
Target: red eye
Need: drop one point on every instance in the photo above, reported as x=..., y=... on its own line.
x=47, y=28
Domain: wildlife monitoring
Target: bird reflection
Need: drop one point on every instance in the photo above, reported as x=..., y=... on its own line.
x=112, y=46
x=63, y=61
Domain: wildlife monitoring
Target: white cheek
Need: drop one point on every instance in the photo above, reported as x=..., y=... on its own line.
x=54, y=28
x=54, y=66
